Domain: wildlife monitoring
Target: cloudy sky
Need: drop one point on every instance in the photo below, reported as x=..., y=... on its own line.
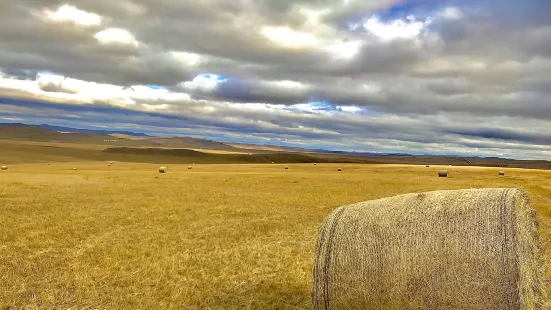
x=419, y=76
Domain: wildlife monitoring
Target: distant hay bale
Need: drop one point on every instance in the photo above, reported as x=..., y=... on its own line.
x=189, y=167
x=74, y=168
x=427, y=166
x=466, y=249
x=4, y=168
x=339, y=169
x=501, y=173
x=273, y=162
x=443, y=173
x=315, y=164
x=286, y=168
x=163, y=169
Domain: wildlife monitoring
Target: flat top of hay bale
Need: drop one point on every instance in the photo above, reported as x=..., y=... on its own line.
x=466, y=249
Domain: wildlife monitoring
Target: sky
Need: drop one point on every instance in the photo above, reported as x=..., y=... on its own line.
x=459, y=77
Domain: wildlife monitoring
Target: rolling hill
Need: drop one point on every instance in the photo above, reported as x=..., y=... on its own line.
x=22, y=143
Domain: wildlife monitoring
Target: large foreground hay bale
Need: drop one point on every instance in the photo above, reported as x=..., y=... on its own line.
x=4, y=168
x=501, y=173
x=163, y=169
x=443, y=173
x=466, y=249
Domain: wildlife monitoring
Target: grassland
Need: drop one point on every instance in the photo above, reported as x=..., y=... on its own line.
x=214, y=237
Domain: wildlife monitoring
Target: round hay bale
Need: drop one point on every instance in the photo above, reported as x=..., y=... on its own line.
x=286, y=168
x=339, y=169
x=163, y=169
x=501, y=173
x=74, y=168
x=4, y=168
x=466, y=249
x=443, y=173
x=189, y=167
x=273, y=162
x=427, y=166
x=315, y=164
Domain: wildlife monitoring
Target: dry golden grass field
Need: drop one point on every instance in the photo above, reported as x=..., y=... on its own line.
x=214, y=237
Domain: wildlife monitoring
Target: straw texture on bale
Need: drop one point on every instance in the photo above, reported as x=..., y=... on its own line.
x=501, y=173
x=163, y=169
x=443, y=173
x=4, y=168
x=466, y=249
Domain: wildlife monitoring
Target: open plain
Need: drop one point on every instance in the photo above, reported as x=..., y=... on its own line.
x=227, y=236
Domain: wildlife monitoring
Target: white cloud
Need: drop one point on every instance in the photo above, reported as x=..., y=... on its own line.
x=345, y=50
x=155, y=108
x=350, y=109
x=116, y=36
x=68, y=13
x=146, y=93
x=397, y=29
x=50, y=82
x=206, y=83
x=289, y=38
x=54, y=86
x=287, y=84
x=188, y=59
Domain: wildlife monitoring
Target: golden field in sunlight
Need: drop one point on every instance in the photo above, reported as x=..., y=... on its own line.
x=214, y=237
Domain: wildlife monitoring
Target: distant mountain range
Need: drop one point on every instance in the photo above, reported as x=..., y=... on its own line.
x=134, y=142
x=69, y=129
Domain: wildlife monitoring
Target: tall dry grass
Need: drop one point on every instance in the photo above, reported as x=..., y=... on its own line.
x=215, y=237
